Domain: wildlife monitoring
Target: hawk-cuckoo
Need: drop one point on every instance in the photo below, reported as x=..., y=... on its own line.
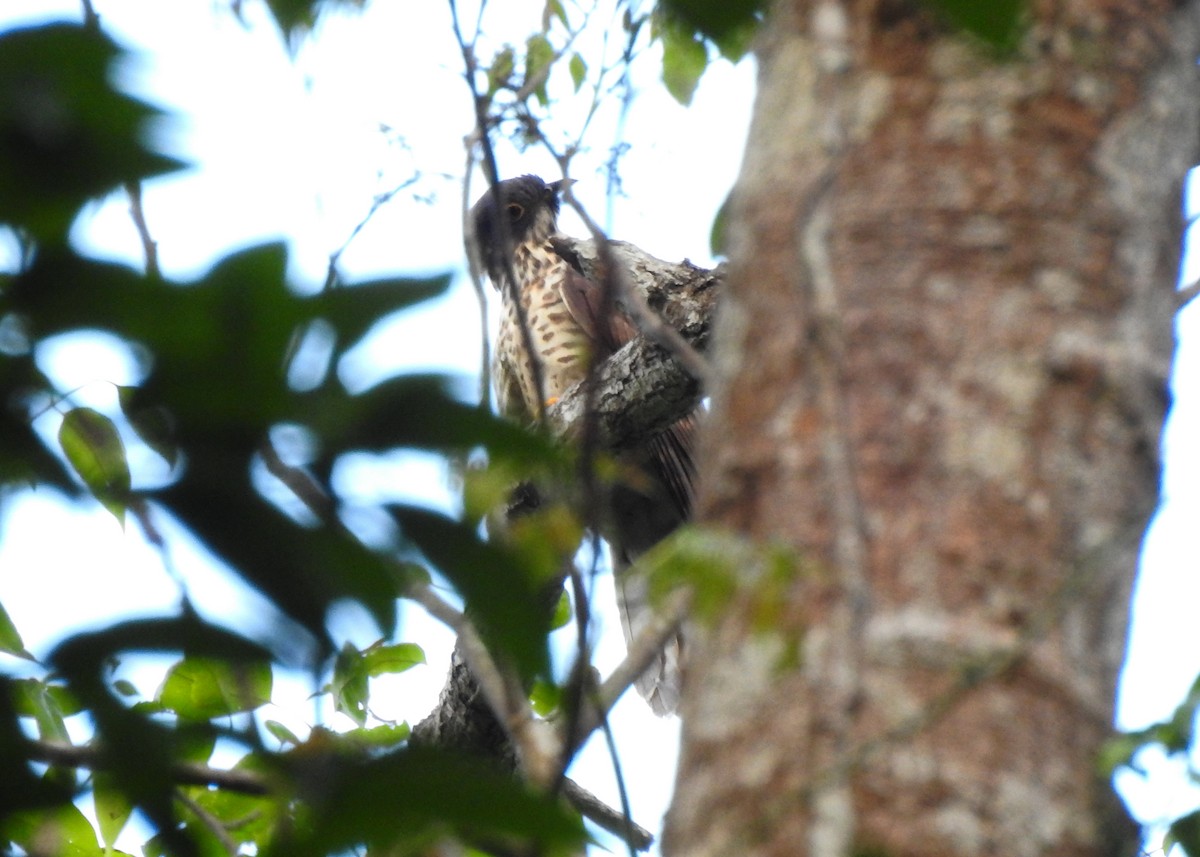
x=514, y=223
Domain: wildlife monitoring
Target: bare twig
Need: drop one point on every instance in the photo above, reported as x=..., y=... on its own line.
x=1186, y=295
x=617, y=823
x=211, y=822
x=184, y=773
x=90, y=19
x=641, y=651
x=376, y=204
x=500, y=223
x=149, y=245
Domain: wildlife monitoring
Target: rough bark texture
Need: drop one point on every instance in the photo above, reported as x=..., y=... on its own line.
x=642, y=388
x=940, y=371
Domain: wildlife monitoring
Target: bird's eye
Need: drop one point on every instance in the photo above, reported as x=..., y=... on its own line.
x=514, y=210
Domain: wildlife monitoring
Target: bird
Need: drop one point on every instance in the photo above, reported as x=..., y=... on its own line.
x=515, y=226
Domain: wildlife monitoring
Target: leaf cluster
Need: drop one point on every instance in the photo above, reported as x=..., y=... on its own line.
x=219, y=359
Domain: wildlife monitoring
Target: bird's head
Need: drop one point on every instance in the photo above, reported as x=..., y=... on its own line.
x=526, y=208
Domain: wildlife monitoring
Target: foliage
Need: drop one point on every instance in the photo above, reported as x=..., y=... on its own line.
x=1175, y=736
x=219, y=359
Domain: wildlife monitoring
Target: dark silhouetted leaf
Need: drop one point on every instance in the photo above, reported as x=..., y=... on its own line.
x=414, y=796
x=10, y=639
x=997, y=23
x=715, y=19
x=355, y=308
x=303, y=570
x=505, y=598
x=1184, y=832
x=66, y=134
x=153, y=425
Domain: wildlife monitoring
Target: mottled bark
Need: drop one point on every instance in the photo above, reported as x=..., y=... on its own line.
x=940, y=369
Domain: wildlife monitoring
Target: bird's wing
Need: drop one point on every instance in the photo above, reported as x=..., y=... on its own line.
x=585, y=301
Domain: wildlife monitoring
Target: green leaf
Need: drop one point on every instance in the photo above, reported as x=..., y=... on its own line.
x=67, y=134
x=63, y=831
x=684, y=61
x=376, y=737
x=719, y=568
x=384, y=660
x=716, y=237
x=350, y=687
x=714, y=19
x=562, y=612
x=545, y=697
x=94, y=448
x=303, y=570
x=112, y=807
x=1184, y=832
x=554, y=9
x=19, y=787
x=998, y=23
x=539, y=54
x=24, y=459
x=500, y=72
x=140, y=752
x=281, y=733
x=125, y=687
x=578, y=70
x=422, y=411
x=202, y=688
x=34, y=698
x=10, y=639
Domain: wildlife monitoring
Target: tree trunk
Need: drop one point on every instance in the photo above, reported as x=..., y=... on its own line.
x=941, y=363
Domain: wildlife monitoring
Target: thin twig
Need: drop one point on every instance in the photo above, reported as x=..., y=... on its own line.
x=211, y=822
x=1186, y=295
x=90, y=19
x=184, y=773
x=643, y=649
x=499, y=221
x=647, y=321
x=149, y=245
x=619, y=824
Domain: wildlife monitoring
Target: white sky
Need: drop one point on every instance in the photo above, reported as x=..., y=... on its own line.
x=293, y=150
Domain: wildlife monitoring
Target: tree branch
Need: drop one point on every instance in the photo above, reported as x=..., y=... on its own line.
x=184, y=773
x=645, y=386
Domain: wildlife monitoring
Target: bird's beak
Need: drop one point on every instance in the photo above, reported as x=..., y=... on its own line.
x=560, y=185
